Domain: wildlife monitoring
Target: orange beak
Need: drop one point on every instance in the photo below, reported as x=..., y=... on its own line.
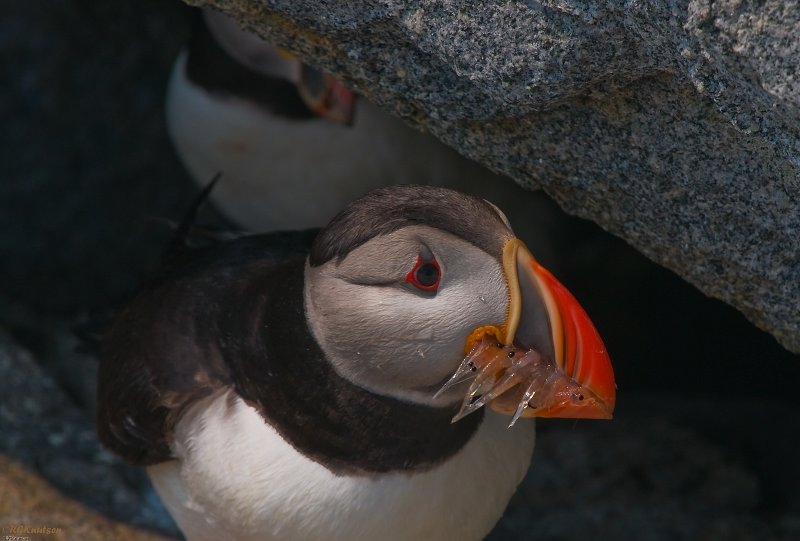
x=326, y=96
x=544, y=316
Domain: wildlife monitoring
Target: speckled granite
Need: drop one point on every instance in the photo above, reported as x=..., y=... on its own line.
x=674, y=125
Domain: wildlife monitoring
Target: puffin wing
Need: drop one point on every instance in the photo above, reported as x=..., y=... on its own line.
x=165, y=349
x=156, y=359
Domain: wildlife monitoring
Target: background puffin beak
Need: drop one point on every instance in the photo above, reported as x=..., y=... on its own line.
x=326, y=96
x=544, y=316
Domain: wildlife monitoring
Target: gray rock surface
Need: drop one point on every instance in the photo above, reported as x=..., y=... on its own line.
x=675, y=125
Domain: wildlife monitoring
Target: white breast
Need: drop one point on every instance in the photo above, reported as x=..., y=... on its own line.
x=236, y=479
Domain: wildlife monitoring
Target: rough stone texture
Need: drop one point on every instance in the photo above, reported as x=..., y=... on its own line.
x=675, y=125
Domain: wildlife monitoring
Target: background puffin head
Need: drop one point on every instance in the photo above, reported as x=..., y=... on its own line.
x=400, y=282
x=255, y=61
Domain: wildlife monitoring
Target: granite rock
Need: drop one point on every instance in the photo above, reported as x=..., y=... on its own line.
x=674, y=125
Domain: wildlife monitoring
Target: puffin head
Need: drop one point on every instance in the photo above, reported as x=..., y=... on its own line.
x=323, y=94
x=402, y=283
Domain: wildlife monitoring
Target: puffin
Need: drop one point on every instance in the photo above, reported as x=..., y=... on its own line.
x=294, y=145
x=319, y=394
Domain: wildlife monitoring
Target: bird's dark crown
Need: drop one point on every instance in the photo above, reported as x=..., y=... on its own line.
x=388, y=209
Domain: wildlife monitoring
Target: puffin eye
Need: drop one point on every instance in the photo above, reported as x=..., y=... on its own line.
x=425, y=275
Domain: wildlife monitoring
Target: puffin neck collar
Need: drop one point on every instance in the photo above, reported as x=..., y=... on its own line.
x=279, y=369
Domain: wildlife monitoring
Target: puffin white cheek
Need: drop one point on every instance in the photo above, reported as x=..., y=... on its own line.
x=395, y=342
x=432, y=332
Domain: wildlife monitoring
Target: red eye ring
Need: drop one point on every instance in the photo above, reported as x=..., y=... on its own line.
x=425, y=275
